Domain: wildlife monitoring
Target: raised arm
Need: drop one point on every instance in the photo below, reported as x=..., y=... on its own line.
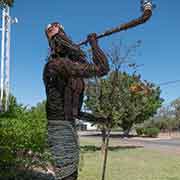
x=98, y=54
x=69, y=68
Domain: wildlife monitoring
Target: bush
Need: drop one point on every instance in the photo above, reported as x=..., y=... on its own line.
x=140, y=131
x=22, y=140
x=26, y=134
x=151, y=131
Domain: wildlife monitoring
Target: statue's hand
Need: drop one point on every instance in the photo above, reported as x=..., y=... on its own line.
x=92, y=38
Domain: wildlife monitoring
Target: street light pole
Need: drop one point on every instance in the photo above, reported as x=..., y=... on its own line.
x=5, y=58
x=2, y=58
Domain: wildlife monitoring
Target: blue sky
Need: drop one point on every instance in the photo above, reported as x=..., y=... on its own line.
x=159, y=52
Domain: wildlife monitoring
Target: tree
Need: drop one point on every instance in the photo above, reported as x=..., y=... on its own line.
x=104, y=95
x=15, y=109
x=165, y=119
x=140, y=106
x=119, y=104
x=121, y=98
x=176, y=109
x=104, y=98
x=39, y=110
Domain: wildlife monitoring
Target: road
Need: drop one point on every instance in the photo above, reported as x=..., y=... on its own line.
x=171, y=142
x=167, y=145
x=163, y=144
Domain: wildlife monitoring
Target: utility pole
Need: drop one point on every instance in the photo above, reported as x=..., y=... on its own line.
x=2, y=58
x=5, y=58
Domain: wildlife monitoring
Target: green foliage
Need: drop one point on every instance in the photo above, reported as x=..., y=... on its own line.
x=112, y=97
x=176, y=110
x=167, y=124
x=115, y=100
x=15, y=110
x=38, y=111
x=151, y=132
x=167, y=118
x=22, y=136
x=140, y=131
x=22, y=133
x=139, y=107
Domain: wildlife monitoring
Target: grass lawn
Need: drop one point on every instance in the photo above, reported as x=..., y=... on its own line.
x=128, y=163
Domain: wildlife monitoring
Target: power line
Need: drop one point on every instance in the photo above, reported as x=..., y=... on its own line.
x=169, y=82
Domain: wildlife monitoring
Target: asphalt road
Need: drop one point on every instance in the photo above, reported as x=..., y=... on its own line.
x=152, y=143
x=173, y=142
x=171, y=146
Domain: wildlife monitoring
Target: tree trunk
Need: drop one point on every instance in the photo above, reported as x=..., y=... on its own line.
x=103, y=131
x=106, y=154
x=126, y=132
x=127, y=129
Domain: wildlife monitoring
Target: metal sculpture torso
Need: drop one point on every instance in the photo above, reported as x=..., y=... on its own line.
x=64, y=84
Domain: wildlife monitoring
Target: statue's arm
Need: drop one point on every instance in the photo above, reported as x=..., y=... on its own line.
x=81, y=67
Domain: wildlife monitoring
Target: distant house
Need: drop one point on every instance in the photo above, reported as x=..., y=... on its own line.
x=85, y=126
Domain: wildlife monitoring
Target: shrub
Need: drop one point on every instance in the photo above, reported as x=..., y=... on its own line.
x=23, y=134
x=151, y=131
x=140, y=131
x=22, y=140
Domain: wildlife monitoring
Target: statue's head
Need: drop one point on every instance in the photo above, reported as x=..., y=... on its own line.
x=60, y=44
x=53, y=29
x=54, y=33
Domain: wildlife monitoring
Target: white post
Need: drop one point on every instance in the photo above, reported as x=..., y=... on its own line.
x=7, y=58
x=2, y=58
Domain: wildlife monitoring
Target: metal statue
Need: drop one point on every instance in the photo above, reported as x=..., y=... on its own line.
x=63, y=79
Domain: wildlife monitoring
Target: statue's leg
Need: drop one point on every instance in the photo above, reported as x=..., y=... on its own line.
x=64, y=146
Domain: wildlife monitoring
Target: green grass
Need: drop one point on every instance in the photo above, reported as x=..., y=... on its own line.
x=128, y=164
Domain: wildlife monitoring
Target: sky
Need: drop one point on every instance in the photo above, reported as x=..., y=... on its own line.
x=159, y=52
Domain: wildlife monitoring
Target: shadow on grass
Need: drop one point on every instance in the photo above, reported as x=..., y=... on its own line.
x=92, y=148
